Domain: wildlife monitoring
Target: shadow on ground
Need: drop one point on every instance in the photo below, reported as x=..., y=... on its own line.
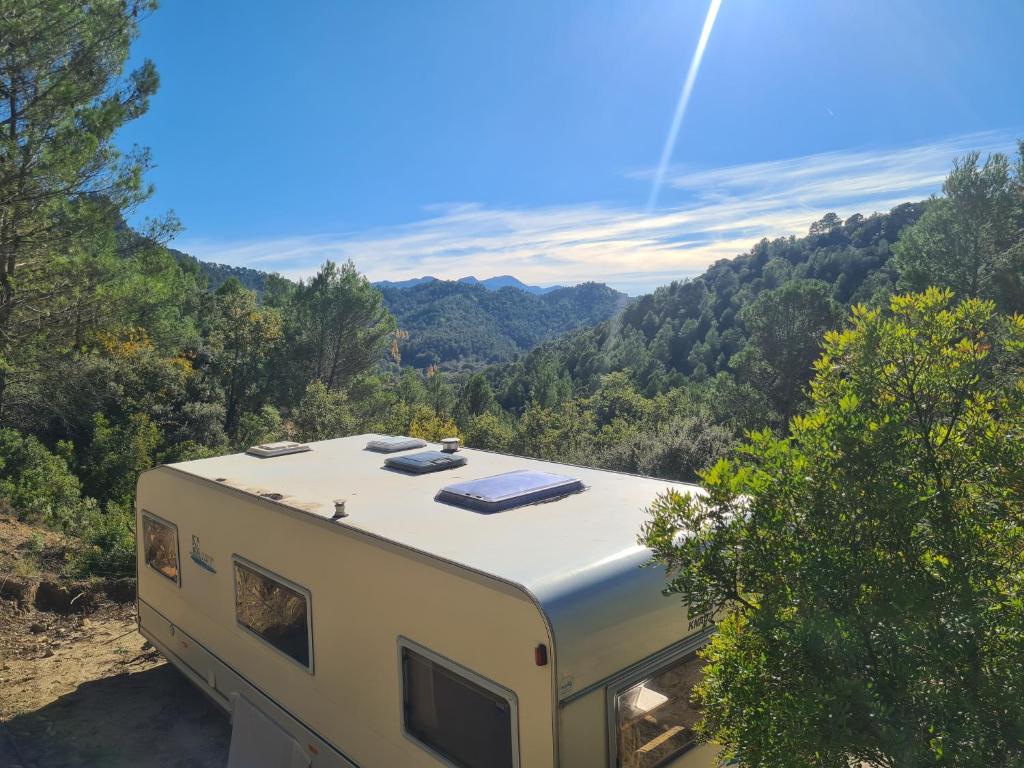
x=153, y=718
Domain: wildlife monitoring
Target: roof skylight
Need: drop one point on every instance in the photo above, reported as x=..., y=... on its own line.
x=498, y=493
x=393, y=444
x=425, y=461
x=283, y=448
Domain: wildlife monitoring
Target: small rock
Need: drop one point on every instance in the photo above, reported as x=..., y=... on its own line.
x=48, y=653
x=36, y=628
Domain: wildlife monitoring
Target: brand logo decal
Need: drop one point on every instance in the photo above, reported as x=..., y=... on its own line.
x=200, y=558
x=701, y=621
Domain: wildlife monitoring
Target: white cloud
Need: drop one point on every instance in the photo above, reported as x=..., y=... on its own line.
x=720, y=212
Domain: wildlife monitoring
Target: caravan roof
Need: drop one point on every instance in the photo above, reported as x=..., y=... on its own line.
x=531, y=545
x=577, y=554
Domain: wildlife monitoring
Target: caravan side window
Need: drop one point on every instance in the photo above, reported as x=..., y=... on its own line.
x=655, y=718
x=160, y=546
x=275, y=610
x=465, y=719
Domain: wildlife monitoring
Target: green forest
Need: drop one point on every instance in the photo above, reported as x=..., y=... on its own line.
x=866, y=377
x=457, y=325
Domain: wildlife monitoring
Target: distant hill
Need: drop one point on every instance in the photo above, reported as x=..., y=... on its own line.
x=467, y=321
x=490, y=283
x=458, y=322
x=255, y=280
x=217, y=274
x=412, y=282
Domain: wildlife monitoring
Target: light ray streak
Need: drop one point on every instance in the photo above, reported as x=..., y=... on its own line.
x=684, y=99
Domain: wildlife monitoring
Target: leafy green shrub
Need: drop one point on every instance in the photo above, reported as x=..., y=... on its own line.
x=108, y=542
x=867, y=566
x=322, y=414
x=263, y=426
x=37, y=484
x=116, y=456
x=491, y=432
x=677, y=450
x=427, y=425
x=189, y=450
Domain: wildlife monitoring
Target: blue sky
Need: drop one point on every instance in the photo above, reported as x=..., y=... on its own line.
x=454, y=138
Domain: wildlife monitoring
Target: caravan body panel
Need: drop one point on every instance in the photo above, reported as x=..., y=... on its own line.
x=364, y=595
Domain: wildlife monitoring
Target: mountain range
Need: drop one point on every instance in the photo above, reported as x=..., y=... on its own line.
x=466, y=322
x=490, y=283
x=457, y=323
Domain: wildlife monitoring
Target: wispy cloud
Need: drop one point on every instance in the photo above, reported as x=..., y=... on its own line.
x=718, y=213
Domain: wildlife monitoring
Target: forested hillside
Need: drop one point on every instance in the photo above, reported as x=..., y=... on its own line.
x=453, y=323
x=218, y=274
x=758, y=315
x=680, y=375
x=459, y=323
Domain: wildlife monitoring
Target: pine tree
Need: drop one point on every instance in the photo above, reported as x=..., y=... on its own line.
x=63, y=183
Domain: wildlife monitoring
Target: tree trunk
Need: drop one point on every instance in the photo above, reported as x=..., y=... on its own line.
x=9, y=247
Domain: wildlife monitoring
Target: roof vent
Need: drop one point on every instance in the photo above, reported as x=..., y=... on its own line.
x=425, y=461
x=393, y=444
x=269, y=450
x=509, y=490
x=450, y=445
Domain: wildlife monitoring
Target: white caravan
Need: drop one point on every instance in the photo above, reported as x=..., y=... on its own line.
x=422, y=607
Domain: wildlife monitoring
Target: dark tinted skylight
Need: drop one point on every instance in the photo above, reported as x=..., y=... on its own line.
x=509, y=490
x=425, y=461
x=393, y=444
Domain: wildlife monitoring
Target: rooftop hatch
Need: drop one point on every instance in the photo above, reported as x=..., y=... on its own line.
x=425, y=461
x=509, y=490
x=393, y=444
x=268, y=450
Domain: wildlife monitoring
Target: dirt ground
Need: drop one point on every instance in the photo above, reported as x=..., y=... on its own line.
x=79, y=687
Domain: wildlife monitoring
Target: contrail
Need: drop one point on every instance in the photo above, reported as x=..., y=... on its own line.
x=684, y=98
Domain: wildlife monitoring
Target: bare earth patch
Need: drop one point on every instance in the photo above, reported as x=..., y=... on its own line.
x=85, y=689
